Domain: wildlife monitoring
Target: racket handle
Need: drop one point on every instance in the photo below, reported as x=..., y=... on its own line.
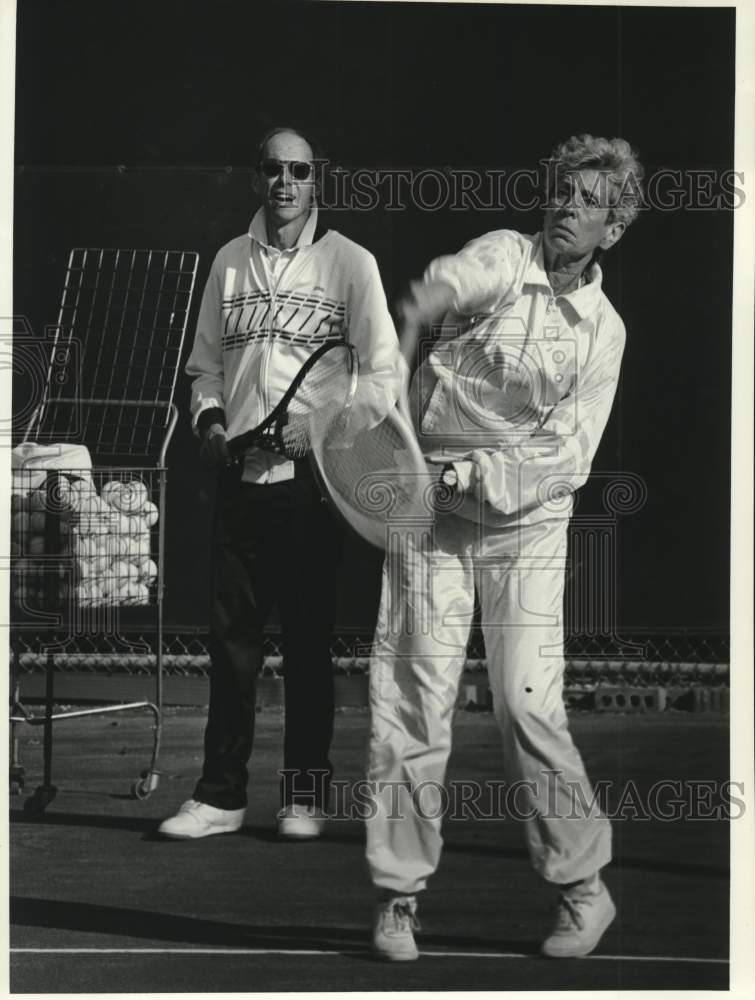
x=238, y=445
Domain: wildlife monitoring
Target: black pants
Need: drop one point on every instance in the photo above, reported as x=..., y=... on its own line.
x=277, y=543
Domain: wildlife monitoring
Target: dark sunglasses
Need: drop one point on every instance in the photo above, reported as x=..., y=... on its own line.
x=300, y=170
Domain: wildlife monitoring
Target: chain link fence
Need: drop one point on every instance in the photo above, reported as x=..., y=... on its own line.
x=648, y=659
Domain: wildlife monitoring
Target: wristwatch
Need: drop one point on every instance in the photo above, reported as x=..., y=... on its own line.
x=449, y=476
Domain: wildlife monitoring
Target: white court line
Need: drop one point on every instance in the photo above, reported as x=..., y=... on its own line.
x=312, y=952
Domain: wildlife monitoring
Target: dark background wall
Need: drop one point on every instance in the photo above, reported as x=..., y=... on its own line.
x=174, y=92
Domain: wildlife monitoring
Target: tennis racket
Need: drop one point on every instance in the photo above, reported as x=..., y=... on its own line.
x=324, y=387
x=376, y=476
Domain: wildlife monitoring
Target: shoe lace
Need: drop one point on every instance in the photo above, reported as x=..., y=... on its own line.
x=400, y=917
x=569, y=915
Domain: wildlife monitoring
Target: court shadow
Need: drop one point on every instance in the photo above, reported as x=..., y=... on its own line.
x=119, y=922
x=335, y=833
x=353, y=834
x=137, y=824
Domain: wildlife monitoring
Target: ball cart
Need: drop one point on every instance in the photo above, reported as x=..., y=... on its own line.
x=89, y=485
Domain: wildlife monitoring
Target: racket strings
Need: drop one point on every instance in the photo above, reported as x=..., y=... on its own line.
x=323, y=395
x=376, y=477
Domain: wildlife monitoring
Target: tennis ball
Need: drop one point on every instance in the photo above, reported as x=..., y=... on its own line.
x=123, y=593
x=109, y=581
x=83, y=546
x=121, y=524
x=138, y=548
x=83, y=569
x=100, y=563
x=137, y=524
x=90, y=505
x=147, y=571
x=88, y=592
x=124, y=571
x=111, y=519
x=80, y=495
x=150, y=513
x=131, y=497
x=114, y=546
x=93, y=524
x=82, y=487
x=131, y=592
x=74, y=498
x=110, y=489
x=83, y=484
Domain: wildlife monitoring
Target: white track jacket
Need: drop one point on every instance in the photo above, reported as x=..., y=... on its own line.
x=518, y=389
x=265, y=311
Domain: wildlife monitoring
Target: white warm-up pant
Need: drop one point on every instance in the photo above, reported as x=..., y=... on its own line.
x=424, y=622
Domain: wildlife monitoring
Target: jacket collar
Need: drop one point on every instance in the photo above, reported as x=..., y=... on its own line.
x=584, y=301
x=258, y=230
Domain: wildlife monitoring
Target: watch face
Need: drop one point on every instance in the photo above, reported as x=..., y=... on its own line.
x=449, y=476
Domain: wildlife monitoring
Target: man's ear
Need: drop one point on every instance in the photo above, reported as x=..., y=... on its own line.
x=256, y=182
x=614, y=232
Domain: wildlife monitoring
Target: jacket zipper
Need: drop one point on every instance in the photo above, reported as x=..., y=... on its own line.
x=268, y=344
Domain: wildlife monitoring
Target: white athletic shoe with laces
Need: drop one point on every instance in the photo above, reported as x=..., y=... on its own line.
x=393, y=930
x=299, y=822
x=197, y=819
x=584, y=914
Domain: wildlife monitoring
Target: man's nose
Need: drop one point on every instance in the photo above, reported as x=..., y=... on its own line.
x=566, y=205
x=284, y=177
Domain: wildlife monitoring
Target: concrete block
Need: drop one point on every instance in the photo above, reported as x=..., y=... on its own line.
x=630, y=699
x=475, y=695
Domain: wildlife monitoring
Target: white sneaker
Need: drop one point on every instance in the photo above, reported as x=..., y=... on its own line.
x=299, y=822
x=393, y=930
x=583, y=916
x=197, y=819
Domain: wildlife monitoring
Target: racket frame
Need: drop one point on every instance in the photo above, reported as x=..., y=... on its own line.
x=268, y=435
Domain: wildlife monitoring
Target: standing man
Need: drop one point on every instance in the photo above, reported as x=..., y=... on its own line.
x=511, y=405
x=272, y=298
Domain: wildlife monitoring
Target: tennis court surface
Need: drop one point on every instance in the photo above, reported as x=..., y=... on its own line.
x=98, y=904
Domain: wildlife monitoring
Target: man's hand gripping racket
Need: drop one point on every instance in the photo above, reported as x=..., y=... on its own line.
x=323, y=390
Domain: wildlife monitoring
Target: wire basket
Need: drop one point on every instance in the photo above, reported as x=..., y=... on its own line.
x=115, y=351
x=85, y=538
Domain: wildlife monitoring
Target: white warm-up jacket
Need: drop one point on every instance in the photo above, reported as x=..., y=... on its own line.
x=517, y=390
x=265, y=311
